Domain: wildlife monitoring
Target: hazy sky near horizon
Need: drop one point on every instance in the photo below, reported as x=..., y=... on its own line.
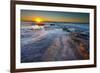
x=54, y=16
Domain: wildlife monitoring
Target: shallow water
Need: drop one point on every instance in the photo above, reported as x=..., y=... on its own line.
x=42, y=45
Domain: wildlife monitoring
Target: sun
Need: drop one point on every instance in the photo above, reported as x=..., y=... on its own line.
x=38, y=20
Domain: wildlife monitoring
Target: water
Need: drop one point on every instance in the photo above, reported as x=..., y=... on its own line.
x=34, y=43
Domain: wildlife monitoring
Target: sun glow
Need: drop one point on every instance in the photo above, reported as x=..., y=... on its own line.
x=38, y=20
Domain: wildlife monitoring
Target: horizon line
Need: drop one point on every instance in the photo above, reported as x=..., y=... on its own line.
x=57, y=22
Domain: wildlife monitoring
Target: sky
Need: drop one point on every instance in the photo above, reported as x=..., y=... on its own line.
x=54, y=16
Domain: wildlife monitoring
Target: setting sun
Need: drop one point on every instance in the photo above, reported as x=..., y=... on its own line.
x=38, y=20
